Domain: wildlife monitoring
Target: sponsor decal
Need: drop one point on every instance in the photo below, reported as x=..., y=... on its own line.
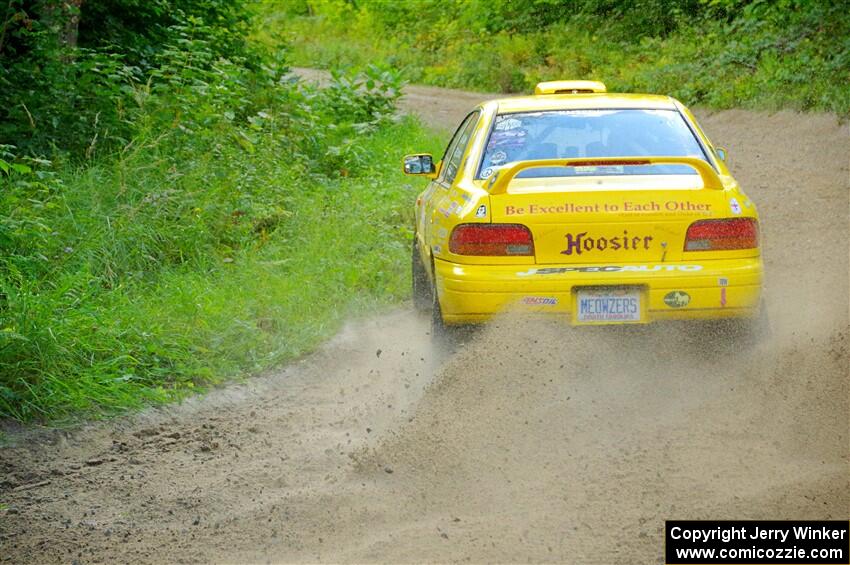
x=734, y=206
x=677, y=299
x=486, y=173
x=539, y=300
x=442, y=233
x=722, y=281
x=579, y=243
x=611, y=269
x=722, y=296
x=654, y=206
x=686, y=206
x=504, y=123
x=481, y=212
x=609, y=207
x=568, y=208
x=508, y=135
x=498, y=158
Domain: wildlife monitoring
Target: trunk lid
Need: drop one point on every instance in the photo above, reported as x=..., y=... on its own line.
x=608, y=219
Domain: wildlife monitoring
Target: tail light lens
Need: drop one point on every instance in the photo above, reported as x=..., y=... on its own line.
x=491, y=239
x=719, y=235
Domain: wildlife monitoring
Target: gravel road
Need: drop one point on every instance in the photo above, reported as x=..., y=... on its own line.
x=530, y=444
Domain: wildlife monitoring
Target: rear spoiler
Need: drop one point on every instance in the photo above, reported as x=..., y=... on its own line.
x=498, y=183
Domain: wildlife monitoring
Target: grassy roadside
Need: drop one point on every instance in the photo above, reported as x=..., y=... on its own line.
x=721, y=53
x=177, y=209
x=84, y=342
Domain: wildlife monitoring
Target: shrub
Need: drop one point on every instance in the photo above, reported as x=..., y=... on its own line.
x=173, y=212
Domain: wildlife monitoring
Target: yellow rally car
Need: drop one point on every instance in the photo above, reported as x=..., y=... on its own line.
x=600, y=208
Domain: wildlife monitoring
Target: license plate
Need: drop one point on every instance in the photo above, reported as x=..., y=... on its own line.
x=608, y=306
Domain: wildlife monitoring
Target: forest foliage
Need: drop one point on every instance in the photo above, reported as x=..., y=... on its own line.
x=764, y=54
x=175, y=207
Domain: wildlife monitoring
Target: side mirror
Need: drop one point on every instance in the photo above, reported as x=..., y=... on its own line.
x=420, y=164
x=721, y=153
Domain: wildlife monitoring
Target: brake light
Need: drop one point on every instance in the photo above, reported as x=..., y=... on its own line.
x=718, y=235
x=491, y=239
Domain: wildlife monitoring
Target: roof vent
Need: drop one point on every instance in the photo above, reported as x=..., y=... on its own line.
x=570, y=87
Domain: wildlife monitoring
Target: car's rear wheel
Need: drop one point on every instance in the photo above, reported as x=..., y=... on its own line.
x=735, y=334
x=749, y=332
x=758, y=329
x=421, y=284
x=447, y=337
x=442, y=335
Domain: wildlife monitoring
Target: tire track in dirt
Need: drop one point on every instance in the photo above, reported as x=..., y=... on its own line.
x=531, y=444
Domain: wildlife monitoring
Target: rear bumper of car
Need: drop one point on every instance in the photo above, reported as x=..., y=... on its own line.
x=715, y=289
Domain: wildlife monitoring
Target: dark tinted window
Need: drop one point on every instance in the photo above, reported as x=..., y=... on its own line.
x=566, y=134
x=457, y=147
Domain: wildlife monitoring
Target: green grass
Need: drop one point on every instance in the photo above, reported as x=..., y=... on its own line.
x=176, y=210
x=158, y=280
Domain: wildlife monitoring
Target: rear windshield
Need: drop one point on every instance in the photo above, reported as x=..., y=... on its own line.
x=567, y=134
